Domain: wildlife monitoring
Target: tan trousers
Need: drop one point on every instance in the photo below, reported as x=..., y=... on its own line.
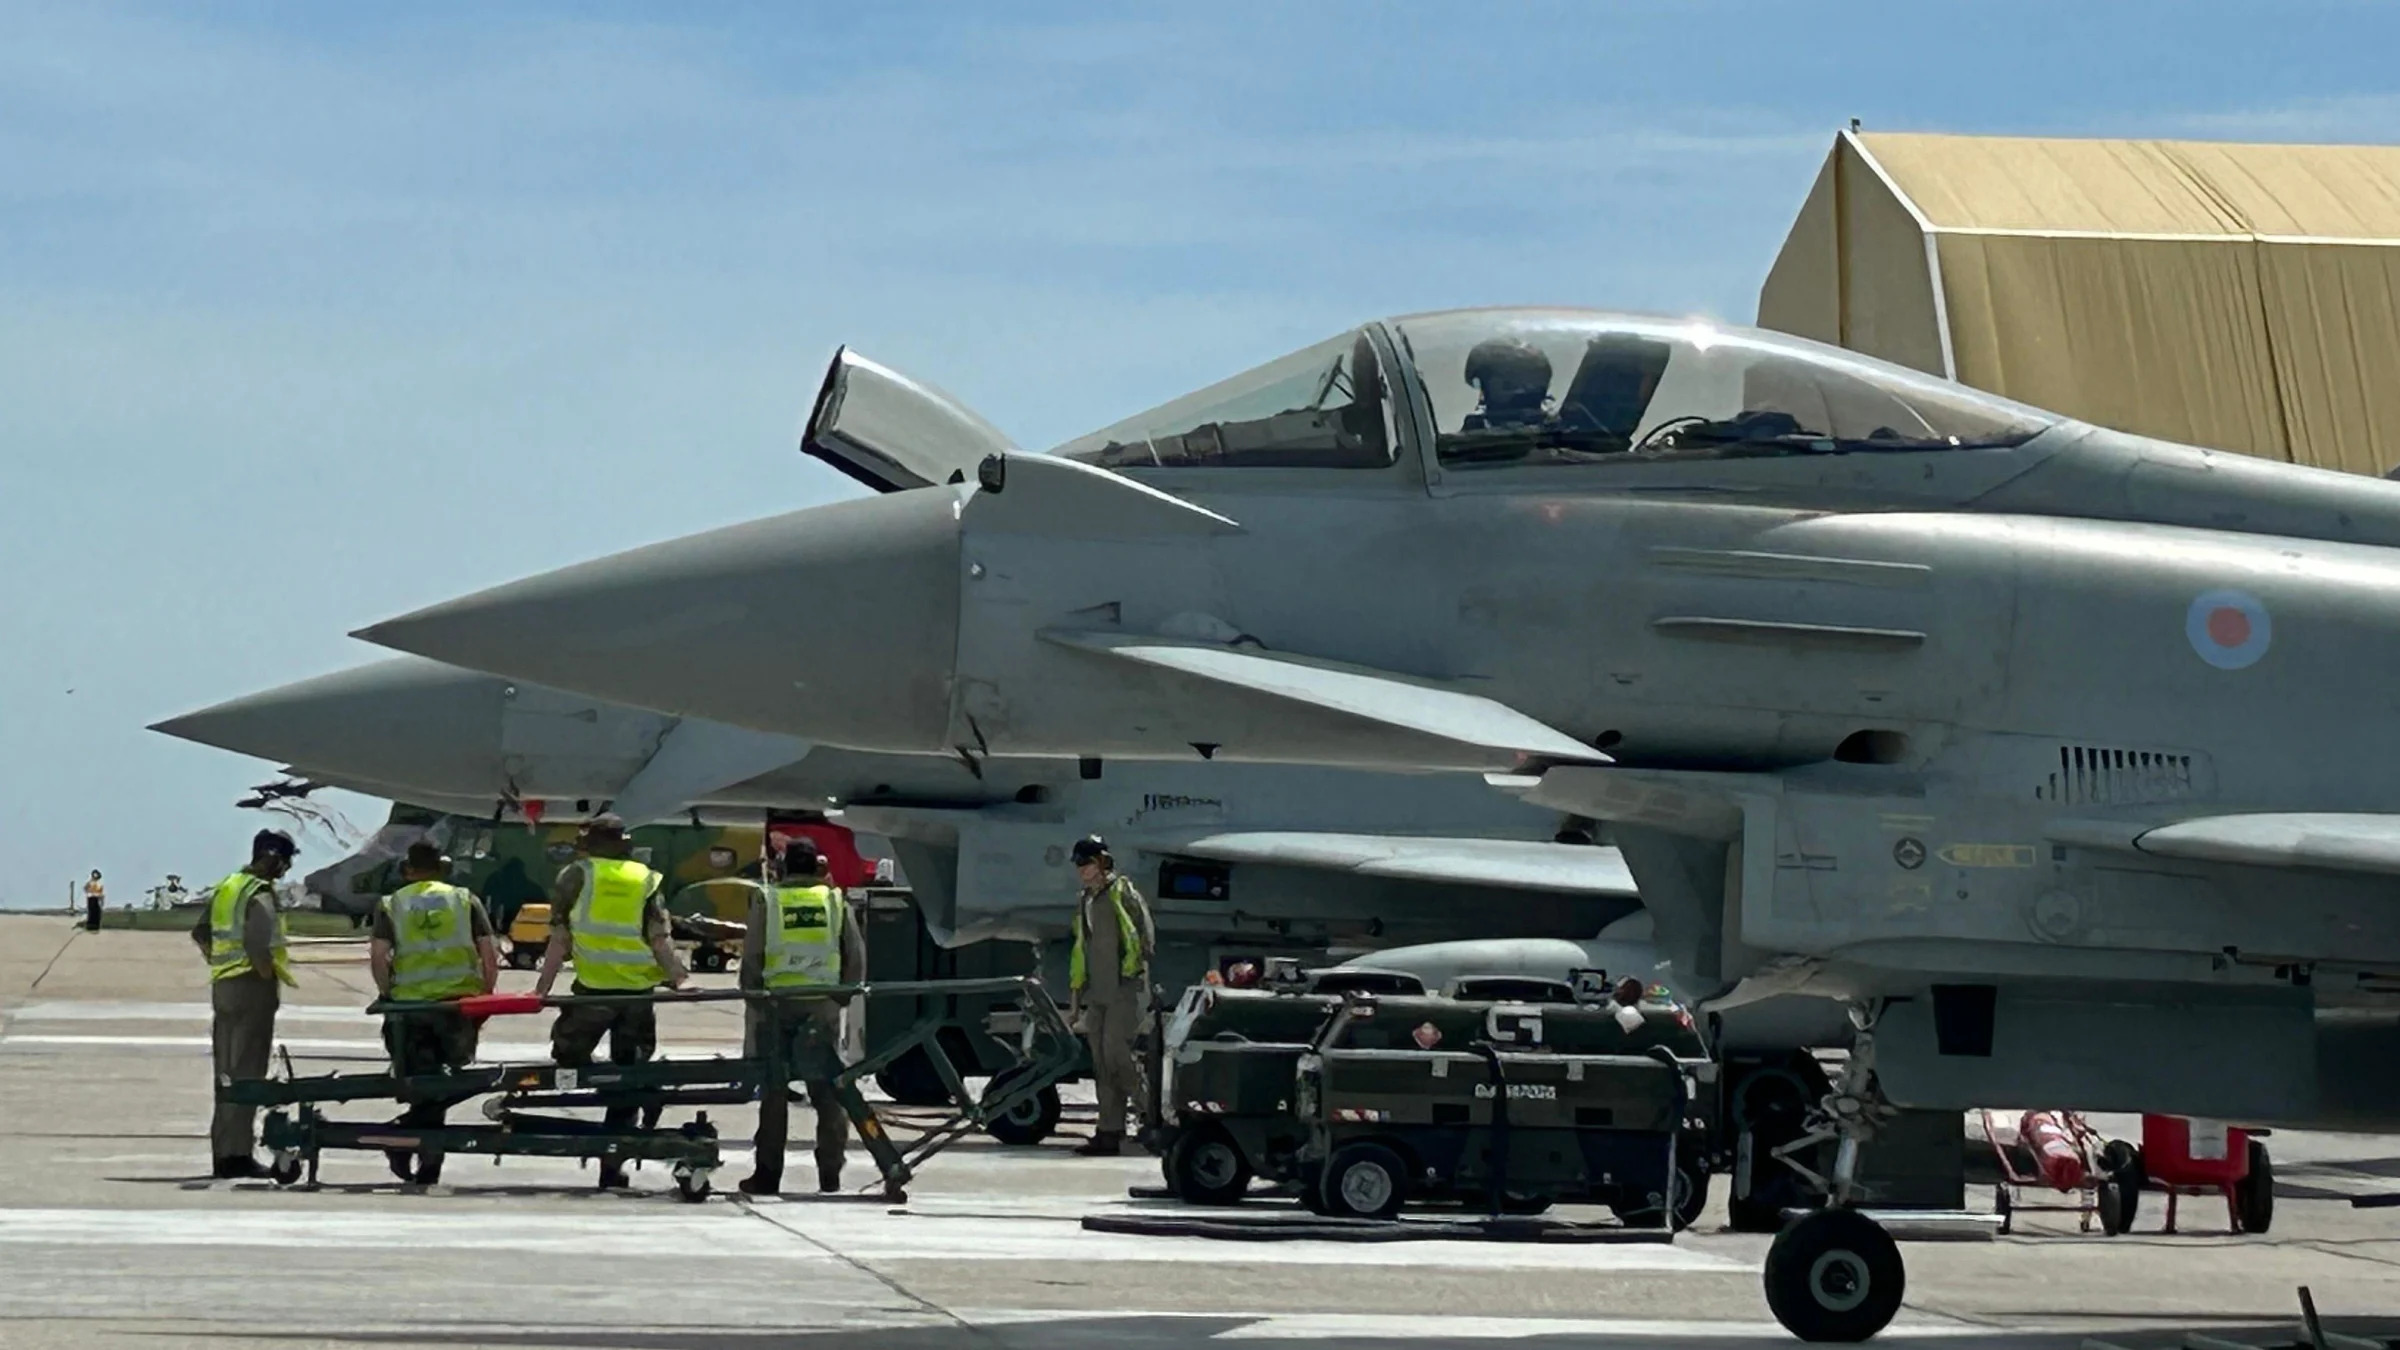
x=812, y=1053
x=1112, y=1022
x=241, y=1037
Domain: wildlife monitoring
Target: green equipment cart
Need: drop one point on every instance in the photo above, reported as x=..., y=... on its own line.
x=521, y=1115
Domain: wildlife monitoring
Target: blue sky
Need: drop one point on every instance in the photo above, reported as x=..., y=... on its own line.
x=311, y=314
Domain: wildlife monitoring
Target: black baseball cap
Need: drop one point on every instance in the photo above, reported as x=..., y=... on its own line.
x=1090, y=848
x=273, y=841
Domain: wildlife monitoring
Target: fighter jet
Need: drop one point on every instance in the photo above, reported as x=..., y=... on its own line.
x=1240, y=856
x=2061, y=756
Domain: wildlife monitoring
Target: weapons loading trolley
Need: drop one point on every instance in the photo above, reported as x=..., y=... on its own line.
x=525, y=1098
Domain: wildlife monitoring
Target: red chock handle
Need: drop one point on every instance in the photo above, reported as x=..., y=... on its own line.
x=499, y=1005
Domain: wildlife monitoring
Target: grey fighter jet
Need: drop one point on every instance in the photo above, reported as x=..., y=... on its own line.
x=1246, y=858
x=2058, y=754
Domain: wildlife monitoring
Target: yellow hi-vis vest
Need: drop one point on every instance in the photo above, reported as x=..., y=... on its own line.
x=227, y=910
x=433, y=942
x=803, y=941
x=1129, y=941
x=606, y=928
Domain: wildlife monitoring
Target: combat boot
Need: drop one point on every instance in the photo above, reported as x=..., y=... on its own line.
x=1105, y=1144
x=829, y=1181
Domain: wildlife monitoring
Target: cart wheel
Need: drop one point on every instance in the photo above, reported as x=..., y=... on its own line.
x=285, y=1169
x=691, y=1184
x=521, y=958
x=1365, y=1180
x=1691, y=1192
x=2001, y=1207
x=2117, y=1201
x=1207, y=1168
x=2119, y=1198
x=1030, y=1121
x=1834, y=1276
x=2254, y=1195
x=1525, y=1206
x=2116, y=1155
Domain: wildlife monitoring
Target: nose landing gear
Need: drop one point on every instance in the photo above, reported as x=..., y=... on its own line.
x=1834, y=1274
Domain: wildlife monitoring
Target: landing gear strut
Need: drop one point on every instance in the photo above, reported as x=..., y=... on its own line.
x=1834, y=1274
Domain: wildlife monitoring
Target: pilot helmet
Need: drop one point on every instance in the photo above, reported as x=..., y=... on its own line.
x=1509, y=371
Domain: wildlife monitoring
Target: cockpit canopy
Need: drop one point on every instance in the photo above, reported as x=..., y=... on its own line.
x=1559, y=387
x=1322, y=407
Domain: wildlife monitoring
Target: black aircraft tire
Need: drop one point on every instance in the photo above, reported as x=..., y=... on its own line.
x=1031, y=1122
x=2254, y=1195
x=1834, y=1276
x=1365, y=1180
x=1207, y=1168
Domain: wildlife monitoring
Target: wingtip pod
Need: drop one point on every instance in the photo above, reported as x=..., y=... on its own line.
x=1043, y=494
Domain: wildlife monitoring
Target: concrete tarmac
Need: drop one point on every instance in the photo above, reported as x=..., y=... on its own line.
x=112, y=1235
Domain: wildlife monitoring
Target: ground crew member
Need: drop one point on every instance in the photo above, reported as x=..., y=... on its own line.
x=1108, y=984
x=430, y=942
x=801, y=935
x=606, y=910
x=241, y=933
x=95, y=899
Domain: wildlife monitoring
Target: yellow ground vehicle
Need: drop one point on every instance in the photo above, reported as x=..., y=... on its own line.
x=528, y=935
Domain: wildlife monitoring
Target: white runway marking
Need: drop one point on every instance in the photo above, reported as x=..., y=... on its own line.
x=1386, y=1327
x=125, y=1011
x=610, y=1228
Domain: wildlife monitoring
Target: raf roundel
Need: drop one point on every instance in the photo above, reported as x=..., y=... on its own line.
x=2230, y=629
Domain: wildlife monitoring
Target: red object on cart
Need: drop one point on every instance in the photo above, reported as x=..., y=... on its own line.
x=496, y=1005
x=2195, y=1157
x=2056, y=1148
x=2067, y=1162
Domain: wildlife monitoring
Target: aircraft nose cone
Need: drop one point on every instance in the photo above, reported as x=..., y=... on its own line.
x=404, y=721
x=838, y=624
